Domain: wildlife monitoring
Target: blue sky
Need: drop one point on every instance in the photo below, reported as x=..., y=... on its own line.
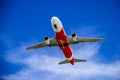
x=26, y=22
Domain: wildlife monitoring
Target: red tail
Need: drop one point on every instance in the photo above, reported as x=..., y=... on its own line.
x=72, y=61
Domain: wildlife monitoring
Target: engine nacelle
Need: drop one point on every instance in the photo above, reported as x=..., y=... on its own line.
x=74, y=37
x=47, y=40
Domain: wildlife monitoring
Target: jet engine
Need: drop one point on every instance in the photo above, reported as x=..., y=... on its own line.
x=74, y=37
x=47, y=40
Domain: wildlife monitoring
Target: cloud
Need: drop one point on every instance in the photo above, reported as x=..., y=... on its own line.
x=39, y=65
x=43, y=64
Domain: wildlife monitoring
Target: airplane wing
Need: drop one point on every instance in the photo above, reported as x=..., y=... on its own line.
x=53, y=43
x=70, y=40
x=81, y=40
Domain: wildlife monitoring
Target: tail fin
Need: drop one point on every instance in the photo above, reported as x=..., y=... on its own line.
x=75, y=60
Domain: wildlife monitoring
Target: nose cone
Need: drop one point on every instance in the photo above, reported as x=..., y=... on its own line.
x=54, y=19
x=56, y=24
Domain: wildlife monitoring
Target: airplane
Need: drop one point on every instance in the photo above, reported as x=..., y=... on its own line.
x=63, y=41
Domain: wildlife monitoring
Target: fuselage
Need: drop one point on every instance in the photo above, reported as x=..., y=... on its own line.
x=61, y=39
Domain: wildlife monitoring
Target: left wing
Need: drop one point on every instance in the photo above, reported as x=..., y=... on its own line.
x=81, y=40
x=53, y=43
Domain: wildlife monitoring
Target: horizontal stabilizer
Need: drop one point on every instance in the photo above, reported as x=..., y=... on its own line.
x=64, y=62
x=80, y=60
x=75, y=60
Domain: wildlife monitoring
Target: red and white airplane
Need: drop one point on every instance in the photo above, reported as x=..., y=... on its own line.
x=63, y=41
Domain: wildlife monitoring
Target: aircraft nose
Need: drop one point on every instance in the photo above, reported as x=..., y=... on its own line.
x=53, y=19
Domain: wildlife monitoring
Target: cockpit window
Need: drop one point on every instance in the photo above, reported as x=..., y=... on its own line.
x=55, y=26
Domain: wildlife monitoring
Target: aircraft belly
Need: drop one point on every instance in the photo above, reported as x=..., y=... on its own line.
x=62, y=42
x=61, y=37
x=67, y=51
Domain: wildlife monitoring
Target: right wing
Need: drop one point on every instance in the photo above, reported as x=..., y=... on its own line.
x=53, y=43
x=81, y=40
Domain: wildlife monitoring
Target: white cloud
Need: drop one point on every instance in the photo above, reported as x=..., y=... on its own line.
x=43, y=64
x=39, y=65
